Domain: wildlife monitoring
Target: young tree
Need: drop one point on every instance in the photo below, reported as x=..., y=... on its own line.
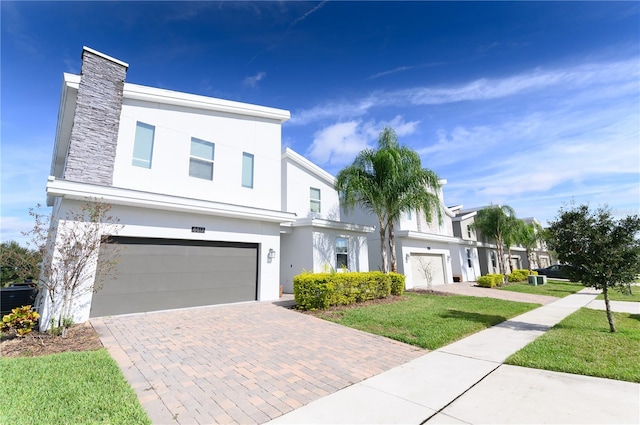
x=529, y=235
x=18, y=262
x=70, y=246
x=604, y=252
x=497, y=223
x=388, y=181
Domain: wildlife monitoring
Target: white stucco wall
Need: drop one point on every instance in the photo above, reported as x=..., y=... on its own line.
x=151, y=223
x=297, y=181
x=231, y=134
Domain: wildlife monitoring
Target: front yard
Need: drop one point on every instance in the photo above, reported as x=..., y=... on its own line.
x=582, y=344
x=67, y=388
x=427, y=320
x=553, y=288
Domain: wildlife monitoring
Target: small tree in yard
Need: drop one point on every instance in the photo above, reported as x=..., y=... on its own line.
x=604, y=253
x=70, y=246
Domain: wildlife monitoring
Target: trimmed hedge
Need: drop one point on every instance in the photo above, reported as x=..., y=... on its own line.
x=490, y=280
x=520, y=275
x=322, y=290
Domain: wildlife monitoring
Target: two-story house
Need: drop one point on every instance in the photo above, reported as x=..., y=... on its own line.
x=423, y=249
x=317, y=241
x=194, y=181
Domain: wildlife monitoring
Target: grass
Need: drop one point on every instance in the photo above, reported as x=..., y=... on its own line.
x=615, y=295
x=582, y=344
x=553, y=288
x=67, y=388
x=428, y=321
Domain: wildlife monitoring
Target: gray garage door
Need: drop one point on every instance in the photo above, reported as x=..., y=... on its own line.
x=427, y=270
x=158, y=274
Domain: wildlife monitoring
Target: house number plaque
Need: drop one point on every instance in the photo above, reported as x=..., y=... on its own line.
x=197, y=230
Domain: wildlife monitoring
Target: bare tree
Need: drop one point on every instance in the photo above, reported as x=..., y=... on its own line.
x=70, y=246
x=426, y=271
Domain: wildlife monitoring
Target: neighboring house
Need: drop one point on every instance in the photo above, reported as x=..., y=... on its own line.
x=317, y=240
x=423, y=249
x=467, y=264
x=485, y=250
x=195, y=182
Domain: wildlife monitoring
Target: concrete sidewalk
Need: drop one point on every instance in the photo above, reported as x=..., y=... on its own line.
x=466, y=382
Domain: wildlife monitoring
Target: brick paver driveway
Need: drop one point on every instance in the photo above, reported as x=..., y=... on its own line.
x=245, y=363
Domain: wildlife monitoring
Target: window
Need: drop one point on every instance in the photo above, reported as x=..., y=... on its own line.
x=409, y=216
x=314, y=205
x=143, y=145
x=342, y=253
x=247, y=170
x=201, y=160
x=469, y=262
x=494, y=259
x=469, y=231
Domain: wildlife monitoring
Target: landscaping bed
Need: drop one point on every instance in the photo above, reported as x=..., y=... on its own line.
x=81, y=337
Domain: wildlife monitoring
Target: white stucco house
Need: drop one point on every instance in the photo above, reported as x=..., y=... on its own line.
x=195, y=182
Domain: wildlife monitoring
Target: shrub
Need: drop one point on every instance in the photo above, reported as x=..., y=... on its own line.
x=490, y=280
x=322, y=290
x=519, y=275
x=397, y=283
x=21, y=319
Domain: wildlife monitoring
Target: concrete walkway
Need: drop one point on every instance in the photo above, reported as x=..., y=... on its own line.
x=466, y=382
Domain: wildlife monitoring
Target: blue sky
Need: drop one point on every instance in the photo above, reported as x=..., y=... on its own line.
x=532, y=105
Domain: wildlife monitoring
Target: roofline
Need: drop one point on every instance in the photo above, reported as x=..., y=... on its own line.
x=289, y=153
x=102, y=55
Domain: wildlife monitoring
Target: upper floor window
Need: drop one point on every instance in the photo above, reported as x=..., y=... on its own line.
x=247, y=170
x=469, y=231
x=409, y=215
x=342, y=253
x=201, y=160
x=314, y=205
x=143, y=145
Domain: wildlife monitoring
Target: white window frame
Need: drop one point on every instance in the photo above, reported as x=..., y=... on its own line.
x=139, y=161
x=247, y=156
x=342, y=254
x=198, y=159
x=315, y=202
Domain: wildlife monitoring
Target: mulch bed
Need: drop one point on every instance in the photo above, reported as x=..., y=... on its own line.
x=81, y=337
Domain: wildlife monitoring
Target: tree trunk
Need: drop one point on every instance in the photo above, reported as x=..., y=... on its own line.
x=392, y=249
x=383, y=246
x=605, y=292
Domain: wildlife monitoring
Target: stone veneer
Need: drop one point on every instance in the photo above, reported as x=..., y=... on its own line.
x=92, y=148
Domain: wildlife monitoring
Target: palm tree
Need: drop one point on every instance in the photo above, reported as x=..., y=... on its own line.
x=529, y=236
x=497, y=223
x=388, y=181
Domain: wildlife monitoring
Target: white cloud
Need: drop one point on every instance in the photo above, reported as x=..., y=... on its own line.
x=339, y=143
x=598, y=78
x=253, y=81
x=310, y=12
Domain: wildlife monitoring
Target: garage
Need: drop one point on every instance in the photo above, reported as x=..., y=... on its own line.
x=159, y=274
x=427, y=270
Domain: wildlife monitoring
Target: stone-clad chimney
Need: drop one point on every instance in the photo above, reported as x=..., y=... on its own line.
x=94, y=136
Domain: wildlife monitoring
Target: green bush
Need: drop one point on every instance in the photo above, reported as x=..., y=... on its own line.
x=490, y=280
x=21, y=319
x=397, y=283
x=519, y=275
x=321, y=290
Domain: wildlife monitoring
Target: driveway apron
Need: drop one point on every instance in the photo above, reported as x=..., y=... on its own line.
x=244, y=363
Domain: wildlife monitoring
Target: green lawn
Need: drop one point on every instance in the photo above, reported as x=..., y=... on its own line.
x=615, y=295
x=428, y=321
x=67, y=388
x=553, y=288
x=582, y=344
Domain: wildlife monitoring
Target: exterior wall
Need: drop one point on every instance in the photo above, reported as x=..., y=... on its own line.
x=142, y=222
x=484, y=256
x=296, y=197
x=231, y=134
x=406, y=246
x=314, y=249
x=460, y=263
x=460, y=229
x=92, y=148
